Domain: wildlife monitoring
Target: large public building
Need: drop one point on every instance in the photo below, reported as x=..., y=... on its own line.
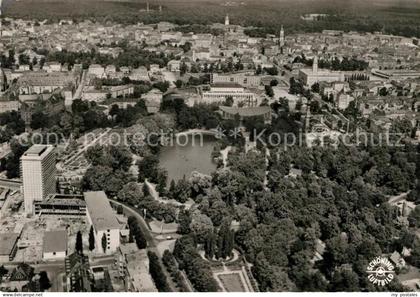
x=219, y=92
x=313, y=75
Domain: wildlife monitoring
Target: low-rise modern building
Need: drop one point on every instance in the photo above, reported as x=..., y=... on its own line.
x=105, y=224
x=61, y=205
x=55, y=245
x=396, y=74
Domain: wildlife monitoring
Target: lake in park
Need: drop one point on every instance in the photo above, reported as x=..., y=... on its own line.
x=188, y=154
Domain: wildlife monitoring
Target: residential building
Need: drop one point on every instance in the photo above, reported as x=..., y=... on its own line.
x=96, y=70
x=52, y=67
x=154, y=95
x=43, y=82
x=9, y=106
x=121, y=91
x=343, y=100
x=140, y=73
x=174, y=65
x=397, y=260
x=21, y=276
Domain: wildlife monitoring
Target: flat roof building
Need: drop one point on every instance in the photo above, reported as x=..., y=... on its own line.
x=219, y=92
x=396, y=74
x=55, y=245
x=242, y=79
x=61, y=205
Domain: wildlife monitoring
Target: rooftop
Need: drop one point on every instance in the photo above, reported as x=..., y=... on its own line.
x=320, y=72
x=7, y=242
x=138, y=269
x=55, y=241
x=128, y=248
x=47, y=79
x=100, y=211
x=38, y=150
x=226, y=85
x=246, y=111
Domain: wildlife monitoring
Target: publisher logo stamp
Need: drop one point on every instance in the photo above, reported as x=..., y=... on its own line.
x=380, y=271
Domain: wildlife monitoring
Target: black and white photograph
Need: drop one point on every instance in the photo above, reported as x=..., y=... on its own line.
x=222, y=146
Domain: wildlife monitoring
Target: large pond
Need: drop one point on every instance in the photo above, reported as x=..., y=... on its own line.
x=190, y=153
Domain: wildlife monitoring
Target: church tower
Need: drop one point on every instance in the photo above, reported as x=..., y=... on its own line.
x=1, y=29
x=315, y=65
x=307, y=124
x=281, y=37
x=3, y=81
x=227, y=23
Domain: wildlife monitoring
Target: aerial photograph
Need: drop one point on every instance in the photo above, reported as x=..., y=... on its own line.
x=224, y=146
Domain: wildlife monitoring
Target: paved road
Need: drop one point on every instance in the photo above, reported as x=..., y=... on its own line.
x=78, y=93
x=151, y=243
x=395, y=199
x=155, y=195
x=131, y=211
x=85, y=148
x=55, y=271
x=6, y=150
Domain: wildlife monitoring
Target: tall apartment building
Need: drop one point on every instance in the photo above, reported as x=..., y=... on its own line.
x=38, y=174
